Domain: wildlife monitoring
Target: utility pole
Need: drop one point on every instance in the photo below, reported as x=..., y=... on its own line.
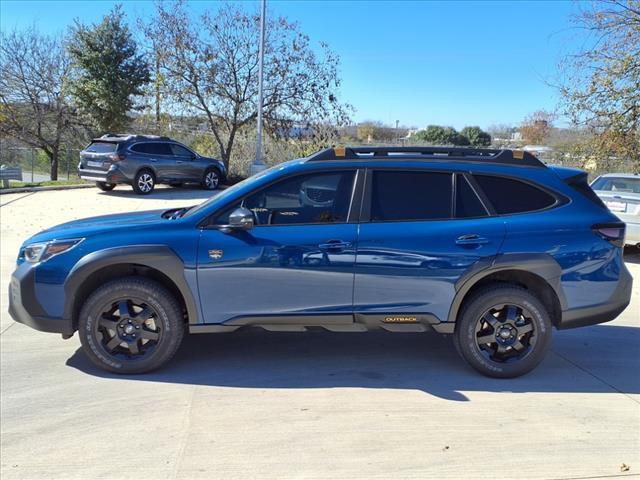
x=157, y=92
x=397, y=136
x=258, y=164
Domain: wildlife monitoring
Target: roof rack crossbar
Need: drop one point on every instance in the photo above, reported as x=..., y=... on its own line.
x=488, y=155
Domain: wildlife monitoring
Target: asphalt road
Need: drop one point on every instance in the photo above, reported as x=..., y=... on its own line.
x=314, y=405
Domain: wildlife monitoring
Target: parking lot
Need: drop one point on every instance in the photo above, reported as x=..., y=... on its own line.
x=254, y=404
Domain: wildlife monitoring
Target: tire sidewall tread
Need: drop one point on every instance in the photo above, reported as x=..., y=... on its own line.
x=464, y=336
x=159, y=298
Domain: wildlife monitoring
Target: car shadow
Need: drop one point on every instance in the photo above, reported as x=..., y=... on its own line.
x=163, y=192
x=632, y=254
x=599, y=359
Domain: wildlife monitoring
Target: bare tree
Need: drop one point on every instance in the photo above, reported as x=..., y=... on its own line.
x=600, y=83
x=536, y=127
x=209, y=66
x=34, y=73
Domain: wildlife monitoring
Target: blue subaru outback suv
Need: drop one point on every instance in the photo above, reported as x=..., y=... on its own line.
x=491, y=246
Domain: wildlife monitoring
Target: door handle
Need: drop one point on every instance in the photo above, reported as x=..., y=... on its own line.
x=154, y=159
x=471, y=239
x=178, y=161
x=334, y=245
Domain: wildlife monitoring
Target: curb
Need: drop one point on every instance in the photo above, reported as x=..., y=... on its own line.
x=4, y=191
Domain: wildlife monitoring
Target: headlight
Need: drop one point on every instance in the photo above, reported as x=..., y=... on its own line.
x=39, y=252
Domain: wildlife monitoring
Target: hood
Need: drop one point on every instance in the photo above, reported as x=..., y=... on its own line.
x=95, y=225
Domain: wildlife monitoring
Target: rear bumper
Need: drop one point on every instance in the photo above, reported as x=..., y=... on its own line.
x=582, y=317
x=111, y=176
x=24, y=307
x=632, y=233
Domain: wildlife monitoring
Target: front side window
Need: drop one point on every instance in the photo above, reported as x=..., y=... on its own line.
x=180, y=151
x=304, y=199
x=509, y=196
x=410, y=195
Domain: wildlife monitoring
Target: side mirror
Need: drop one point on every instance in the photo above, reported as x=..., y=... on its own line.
x=240, y=219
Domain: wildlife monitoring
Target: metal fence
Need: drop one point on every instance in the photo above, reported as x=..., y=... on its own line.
x=36, y=166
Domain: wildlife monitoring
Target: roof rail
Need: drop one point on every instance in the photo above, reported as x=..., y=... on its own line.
x=129, y=136
x=469, y=154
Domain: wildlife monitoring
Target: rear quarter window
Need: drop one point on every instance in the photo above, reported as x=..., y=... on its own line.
x=102, y=147
x=510, y=196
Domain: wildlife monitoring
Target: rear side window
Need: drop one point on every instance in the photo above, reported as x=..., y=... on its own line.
x=410, y=195
x=513, y=196
x=468, y=205
x=152, y=148
x=102, y=147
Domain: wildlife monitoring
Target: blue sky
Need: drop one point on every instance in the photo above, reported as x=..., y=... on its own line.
x=449, y=63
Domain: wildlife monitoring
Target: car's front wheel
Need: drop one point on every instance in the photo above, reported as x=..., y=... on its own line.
x=132, y=325
x=105, y=187
x=503, y=331
x=211, y=179
x=144, y=182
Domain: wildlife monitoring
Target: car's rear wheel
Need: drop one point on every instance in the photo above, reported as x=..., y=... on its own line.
x=211, y=179
x=144, y=182
x=132, y=325
x=105, y=187
x=503, y=331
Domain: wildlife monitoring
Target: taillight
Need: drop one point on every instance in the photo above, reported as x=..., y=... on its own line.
x=117, y=157
x=611, y=232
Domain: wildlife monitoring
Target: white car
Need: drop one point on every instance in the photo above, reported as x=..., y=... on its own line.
x=620, y=192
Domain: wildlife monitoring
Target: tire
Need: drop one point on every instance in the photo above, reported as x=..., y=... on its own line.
x=131, y=325
x=503, y=331
x=210, y=179
x=105, y=187
x=144, y=182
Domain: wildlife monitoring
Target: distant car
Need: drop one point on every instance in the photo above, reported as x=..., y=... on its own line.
x=620, y=192
x=143, y=161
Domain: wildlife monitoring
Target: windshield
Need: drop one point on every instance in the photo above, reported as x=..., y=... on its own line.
x=617, y=184
x=230, y=192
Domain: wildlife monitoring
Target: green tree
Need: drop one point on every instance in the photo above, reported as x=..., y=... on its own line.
x=600, y=82
x=476, y=136
x=437, y=135
x=108, y=71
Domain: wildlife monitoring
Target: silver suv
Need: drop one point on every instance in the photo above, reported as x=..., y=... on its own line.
x=143, y=161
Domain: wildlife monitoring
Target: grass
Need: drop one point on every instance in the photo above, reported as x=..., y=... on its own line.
x=48, y=183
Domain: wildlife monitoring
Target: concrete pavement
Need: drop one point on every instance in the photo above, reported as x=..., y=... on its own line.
x=315, y=405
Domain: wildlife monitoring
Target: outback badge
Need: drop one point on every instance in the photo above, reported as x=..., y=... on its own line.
x=401, y=319
x=216, y=254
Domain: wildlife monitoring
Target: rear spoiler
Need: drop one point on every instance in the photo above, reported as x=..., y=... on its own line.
x=567, y=172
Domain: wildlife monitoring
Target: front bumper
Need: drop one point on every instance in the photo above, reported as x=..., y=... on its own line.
x=25, y=308
x=605, y=312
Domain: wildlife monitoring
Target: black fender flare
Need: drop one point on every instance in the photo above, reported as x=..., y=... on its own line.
x=540, y=264
x=157, y=257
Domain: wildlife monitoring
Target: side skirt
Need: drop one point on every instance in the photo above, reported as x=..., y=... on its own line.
x=358, y=322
